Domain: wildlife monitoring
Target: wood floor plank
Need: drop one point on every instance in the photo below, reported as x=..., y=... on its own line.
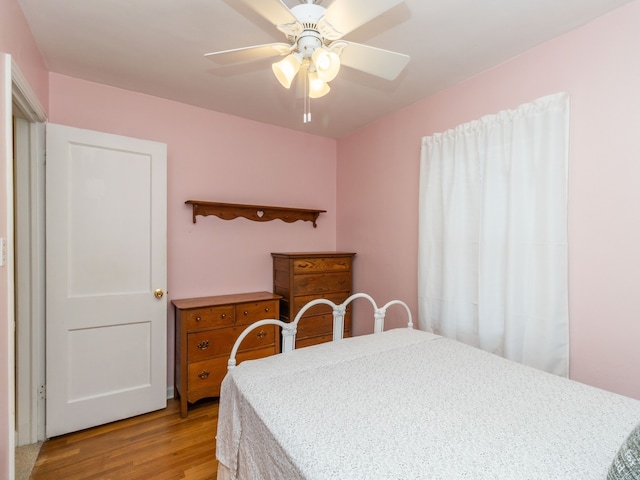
x=159, y=445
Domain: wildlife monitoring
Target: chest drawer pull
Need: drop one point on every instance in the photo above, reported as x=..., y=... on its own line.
x=266, y=309
x=245, y=313
x=262, y=334
x=204, y=374
x=203, y=345
x=198, y=319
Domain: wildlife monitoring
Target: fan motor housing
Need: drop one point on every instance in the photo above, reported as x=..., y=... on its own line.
x=310, y=39
x=308, y=42
x=308, y=13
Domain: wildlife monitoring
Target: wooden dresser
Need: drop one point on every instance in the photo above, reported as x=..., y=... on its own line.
x=206, y=329
x=304, y=276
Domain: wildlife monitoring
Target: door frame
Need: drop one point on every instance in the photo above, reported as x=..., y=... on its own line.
x=29, y=222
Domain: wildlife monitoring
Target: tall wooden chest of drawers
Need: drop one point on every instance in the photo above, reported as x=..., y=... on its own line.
x=304, y=276
x=207, y=328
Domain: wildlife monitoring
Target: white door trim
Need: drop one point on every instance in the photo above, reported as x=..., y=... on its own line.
x=24, y=96
x=29, y=288
x=6, y=272
x=30, y=378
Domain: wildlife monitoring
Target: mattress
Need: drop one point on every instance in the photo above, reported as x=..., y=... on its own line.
x=406, y=404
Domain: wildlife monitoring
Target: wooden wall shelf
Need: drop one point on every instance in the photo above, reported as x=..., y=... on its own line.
x=258, y=213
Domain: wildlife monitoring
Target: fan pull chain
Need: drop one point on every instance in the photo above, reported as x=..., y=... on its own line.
x=306, y=116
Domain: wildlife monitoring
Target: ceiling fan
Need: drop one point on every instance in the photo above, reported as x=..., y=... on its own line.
x=314, y=44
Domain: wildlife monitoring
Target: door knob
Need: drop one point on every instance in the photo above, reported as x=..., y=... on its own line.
x=158, y=293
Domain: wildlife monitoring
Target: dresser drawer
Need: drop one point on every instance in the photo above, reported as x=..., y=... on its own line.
x=210, y=372
x=206, y=374
x=299, y=302
x=247, y=313
x=212, y=343
x=204, y=345
x=204, y=378
x=322, y=283
x=308, y=341
x=312, y=265
x=314, y=325
x=211, y=317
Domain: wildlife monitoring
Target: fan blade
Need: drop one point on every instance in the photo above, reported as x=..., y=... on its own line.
x=275, y=11
x=375, y=61
x=344, y=16
x=249, y=54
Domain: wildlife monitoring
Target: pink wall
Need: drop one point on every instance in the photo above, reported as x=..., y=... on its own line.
x=216, y=157
x=16, y=40
x=598, y=66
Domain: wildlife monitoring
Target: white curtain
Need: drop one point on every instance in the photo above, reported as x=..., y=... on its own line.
x=493, y=234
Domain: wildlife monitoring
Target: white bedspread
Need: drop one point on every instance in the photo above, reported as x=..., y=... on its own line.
x=406, y=404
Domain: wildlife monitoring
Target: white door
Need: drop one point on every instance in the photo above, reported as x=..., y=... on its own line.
x=106, y=256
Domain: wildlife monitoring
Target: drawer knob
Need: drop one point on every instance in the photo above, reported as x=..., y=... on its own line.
x=203, y=345
x=204, y=374
x=246, y=312
x=266, y=309
x=198, y=319
x=262, y=334
x=224, y=315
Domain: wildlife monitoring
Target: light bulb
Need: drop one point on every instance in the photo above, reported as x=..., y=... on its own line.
x=285, y=70
x=327, y=64
x=317, y=87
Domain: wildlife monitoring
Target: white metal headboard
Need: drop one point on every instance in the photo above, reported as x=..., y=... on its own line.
x=289, y=329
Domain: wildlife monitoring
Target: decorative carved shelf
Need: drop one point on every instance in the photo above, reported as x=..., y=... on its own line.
x=258, y=213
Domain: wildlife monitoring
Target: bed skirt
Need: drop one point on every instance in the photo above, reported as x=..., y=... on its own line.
x=223, y=472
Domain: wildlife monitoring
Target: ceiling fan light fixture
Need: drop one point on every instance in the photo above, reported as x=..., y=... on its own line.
x=327, y=64
x=317, y=87
x=286, y=69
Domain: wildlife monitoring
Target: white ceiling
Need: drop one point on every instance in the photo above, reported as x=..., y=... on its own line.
x=157, y=47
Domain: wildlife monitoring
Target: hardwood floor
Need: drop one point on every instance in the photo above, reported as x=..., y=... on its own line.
x=159, y=446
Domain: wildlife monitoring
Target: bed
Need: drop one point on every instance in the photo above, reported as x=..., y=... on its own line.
x=407, y=404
